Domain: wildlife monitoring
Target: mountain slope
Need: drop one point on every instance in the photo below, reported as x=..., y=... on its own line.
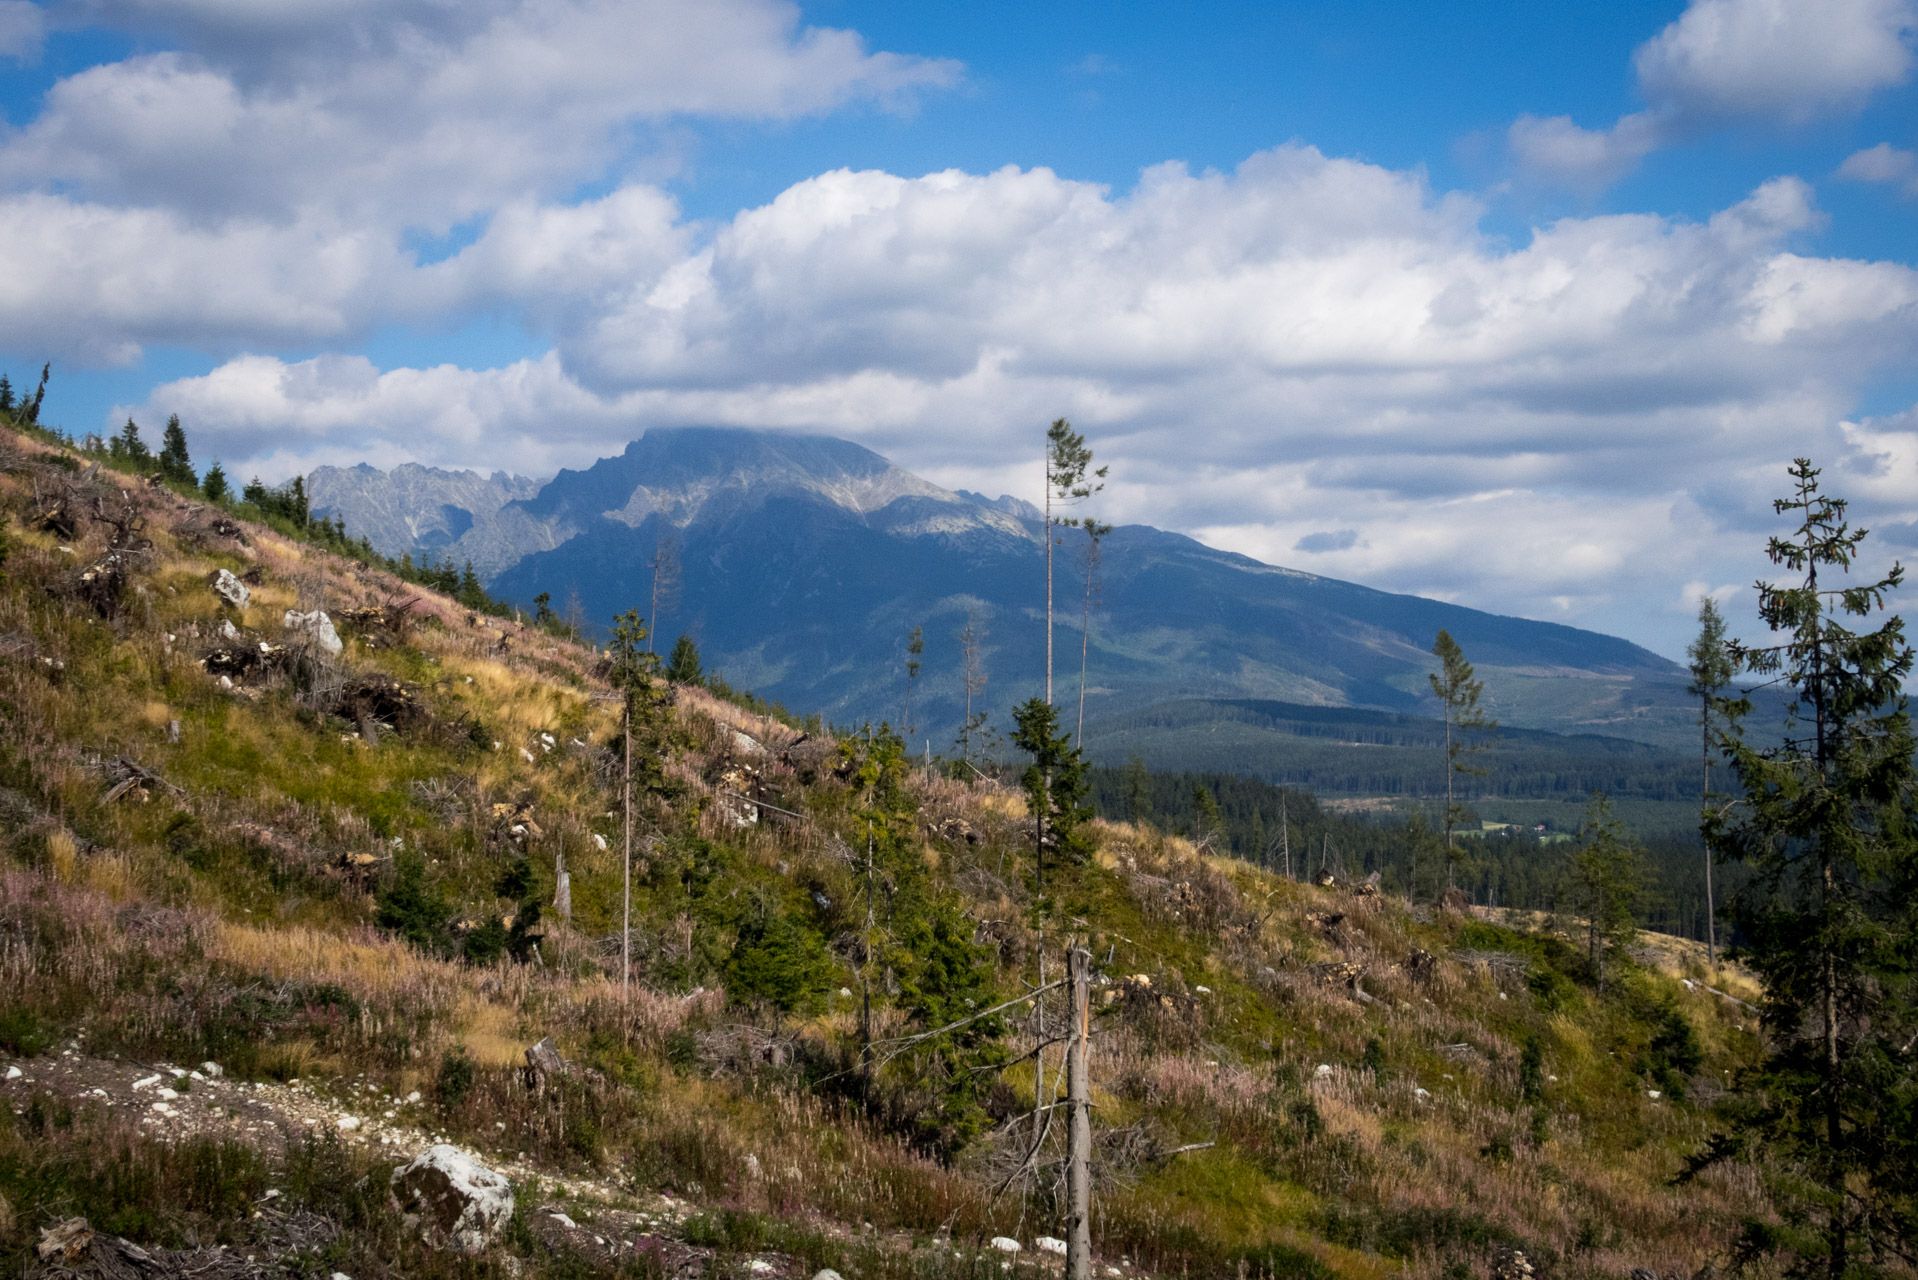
x=424, y=511
x=805, y=561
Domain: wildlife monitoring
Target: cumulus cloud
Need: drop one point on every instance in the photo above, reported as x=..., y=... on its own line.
x=1261, y=355
x=1884, y=164
x=1778, y=62
x=260, y=183
x=1776, y=59
x=386, y=113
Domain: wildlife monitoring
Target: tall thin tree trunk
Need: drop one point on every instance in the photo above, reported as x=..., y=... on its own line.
x=865, y=986
x=1285, y=836
x=1039, y=1049
x=1079, y=1132
x=1085, y=646
x=1835, y=1230
x=1704, y=802
x=626, y=893
x=1450, y=861
x=1048, y=579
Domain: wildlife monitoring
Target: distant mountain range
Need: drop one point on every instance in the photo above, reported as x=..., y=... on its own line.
x=805, y=562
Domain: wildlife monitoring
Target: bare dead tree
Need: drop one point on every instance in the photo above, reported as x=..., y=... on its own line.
x=666, y=578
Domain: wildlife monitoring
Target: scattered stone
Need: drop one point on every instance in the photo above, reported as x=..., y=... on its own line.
x=1511, y=1264
x=229, y=588
x=315, y=626
x=562, y=1219
x=1050, y=1244
x=462, y=1203
x=1005, y=1244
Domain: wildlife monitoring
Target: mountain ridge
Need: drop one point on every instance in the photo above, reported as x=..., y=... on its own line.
x=805, y=560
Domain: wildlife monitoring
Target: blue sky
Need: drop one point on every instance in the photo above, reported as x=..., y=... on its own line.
x=1523, y=306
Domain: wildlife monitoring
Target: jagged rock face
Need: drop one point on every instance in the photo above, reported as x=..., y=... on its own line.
x=421, y=510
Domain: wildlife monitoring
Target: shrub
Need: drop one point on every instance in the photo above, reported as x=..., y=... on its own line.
x=781, y=961
x=455, y=1078
x=412, y=908
x=24, y=1033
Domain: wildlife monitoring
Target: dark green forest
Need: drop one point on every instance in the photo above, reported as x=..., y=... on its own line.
x=1514, y=867
x=1348, y=750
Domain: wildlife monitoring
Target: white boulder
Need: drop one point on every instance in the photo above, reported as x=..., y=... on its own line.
x=1005, y=1244
x=461, y=1203
x=230, y=588
x=1050, y=1244
x=315, y=626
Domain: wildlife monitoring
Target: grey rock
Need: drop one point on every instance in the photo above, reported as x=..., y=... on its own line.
x=315, y=626
x=229, y=588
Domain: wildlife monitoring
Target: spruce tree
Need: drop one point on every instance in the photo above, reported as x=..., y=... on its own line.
x=175, y=465
x=1828, y=826
x=1054, y=783
x=471, y=592
x=129, y=450
x=683, y=666
x=1607, y=875
x=1208, y=821
x=1712, y=670
x=6, y=396
x=1138, y=789
x=215, y=487
x=1458, y=694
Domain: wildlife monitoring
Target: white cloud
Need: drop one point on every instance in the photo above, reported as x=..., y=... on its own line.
x=1783, y=60
x=1779, y=62
x=1885, y=164
x=1302, y=347
x=1557, y=150
x=23, y=28
x=390, y=114
x=258, y=185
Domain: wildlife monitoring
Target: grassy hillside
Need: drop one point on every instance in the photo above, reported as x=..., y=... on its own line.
x=337, y=869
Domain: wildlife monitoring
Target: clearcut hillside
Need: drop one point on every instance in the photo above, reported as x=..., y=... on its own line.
x=332, y=873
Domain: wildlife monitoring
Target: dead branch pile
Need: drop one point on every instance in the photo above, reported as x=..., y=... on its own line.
x=384, y=625
x=281, y=1241
x=239, y=660
x=202, y=528
x=124, y=775
x=103, y=583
